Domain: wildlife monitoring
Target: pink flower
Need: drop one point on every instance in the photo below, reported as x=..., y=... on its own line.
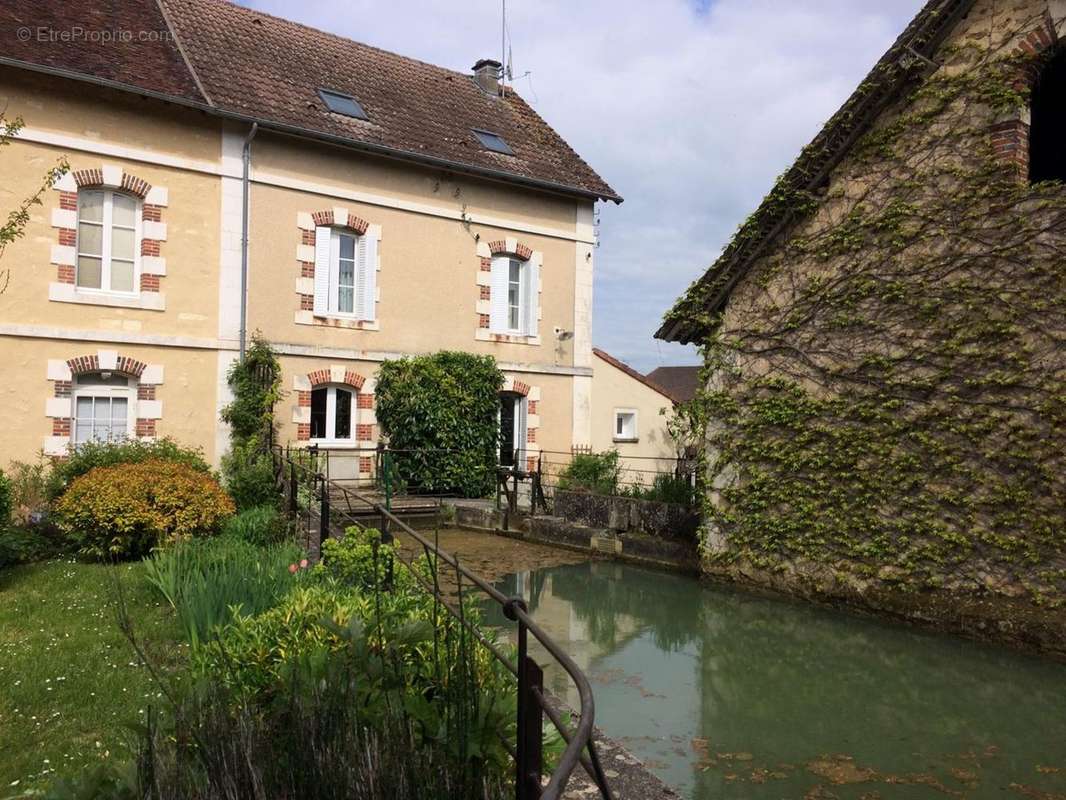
x=303, y=563
x=292, y=568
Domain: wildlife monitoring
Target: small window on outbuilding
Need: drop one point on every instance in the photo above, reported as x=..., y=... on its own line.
x=493, y=141
x=342, y=104
x=1047, y=134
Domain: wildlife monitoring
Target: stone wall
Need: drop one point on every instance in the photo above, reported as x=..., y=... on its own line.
x=622, y=514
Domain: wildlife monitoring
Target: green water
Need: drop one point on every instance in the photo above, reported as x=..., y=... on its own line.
x=725, y=695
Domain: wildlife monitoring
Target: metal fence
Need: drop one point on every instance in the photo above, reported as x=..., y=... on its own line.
x=325, y=507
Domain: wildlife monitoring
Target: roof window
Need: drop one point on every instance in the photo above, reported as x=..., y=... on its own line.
x=342, y=104
x=493, y=141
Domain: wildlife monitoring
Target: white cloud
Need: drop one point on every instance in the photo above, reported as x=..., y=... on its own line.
x=688, y=109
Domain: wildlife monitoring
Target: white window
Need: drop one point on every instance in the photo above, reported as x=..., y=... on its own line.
x=515, y=287
x=103, y=408
x=108, y=241
x=513, y=428
x=345, y=274
x=331, y=414
x=625, y=425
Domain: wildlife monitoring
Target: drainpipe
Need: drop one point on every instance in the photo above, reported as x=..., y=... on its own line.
x=247, y=163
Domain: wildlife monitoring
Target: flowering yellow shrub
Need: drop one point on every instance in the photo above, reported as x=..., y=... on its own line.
x=125, y=510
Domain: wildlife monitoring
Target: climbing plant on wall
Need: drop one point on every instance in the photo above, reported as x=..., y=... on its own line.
x=889, y=399
x=440, y=414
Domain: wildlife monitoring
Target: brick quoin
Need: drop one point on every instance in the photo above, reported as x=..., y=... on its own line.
x=531, y=436
x=307, y=302
x=145, y=392
x=1010, y=141
x=364, y=433
x=307, y=237
x=149, y=247
x=366, y=465
x=65, y=273
x=63, y=388
x=68, y=201
x=531, y=463
x=486, y=265
x=149, y=283
x=146, y=427
x=483, y=321
x=307, y=269
x=303, y=399
x=532, y=406
x=152, y=213
x=67, y=236
x=364, y=400
x=61, y=427
x=303, y=432
x=485, y=292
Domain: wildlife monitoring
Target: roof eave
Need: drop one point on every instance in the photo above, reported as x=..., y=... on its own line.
x=309, y=133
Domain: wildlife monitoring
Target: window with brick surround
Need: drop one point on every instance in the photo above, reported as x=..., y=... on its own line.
x=345, y=274
x=513, y=296
x=104, y=408
x=1047, y=132
x=108, y=241
x=332, y=410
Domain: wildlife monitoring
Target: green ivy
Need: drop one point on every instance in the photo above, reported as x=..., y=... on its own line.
x=887, y=392
x=439, y=413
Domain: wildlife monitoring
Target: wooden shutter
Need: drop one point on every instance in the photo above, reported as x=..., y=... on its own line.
x=368, y=276
x=323, y=235
x=498, y=301
x=531, y=298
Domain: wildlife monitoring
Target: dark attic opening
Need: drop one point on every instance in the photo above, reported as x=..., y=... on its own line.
x=1047, y=134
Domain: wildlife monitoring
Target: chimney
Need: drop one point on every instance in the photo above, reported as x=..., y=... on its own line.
x=487, y=75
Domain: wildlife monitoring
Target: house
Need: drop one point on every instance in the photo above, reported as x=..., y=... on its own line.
x=629, y=415
x=884, y=334
x=233, y=172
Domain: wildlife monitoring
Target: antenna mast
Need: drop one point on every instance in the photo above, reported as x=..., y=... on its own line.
x=503, y=49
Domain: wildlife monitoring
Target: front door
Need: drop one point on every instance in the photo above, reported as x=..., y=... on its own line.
x=508, y=421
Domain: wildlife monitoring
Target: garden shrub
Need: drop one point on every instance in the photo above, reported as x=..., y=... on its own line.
x=592, y=472
x=90, y=455
x=258, y=525
x=125, y=510
x=256, y=385
x=440, y=415
x=208, y=581
x=359, y=559
x=248, y=472
x=29, y=489
x=5, y=500
x=665, y=489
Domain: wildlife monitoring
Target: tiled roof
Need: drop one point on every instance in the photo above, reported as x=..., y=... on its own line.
x=243, y=63
x=680, y=382
x=632, y=373
x=897, y=70
x=56, y=34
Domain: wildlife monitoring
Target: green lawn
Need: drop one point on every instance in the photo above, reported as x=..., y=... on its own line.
x=71, y=682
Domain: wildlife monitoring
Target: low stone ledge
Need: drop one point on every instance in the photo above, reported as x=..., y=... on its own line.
x=625, y=514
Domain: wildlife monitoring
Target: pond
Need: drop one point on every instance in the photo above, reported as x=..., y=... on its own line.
x=729, y=695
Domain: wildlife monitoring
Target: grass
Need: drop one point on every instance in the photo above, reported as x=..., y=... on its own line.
x=71, y=683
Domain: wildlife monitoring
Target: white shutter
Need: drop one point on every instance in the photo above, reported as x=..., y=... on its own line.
x=498, y=300
x=323, y=236
x=532, y=297
x=368, y=276
x=523, y=432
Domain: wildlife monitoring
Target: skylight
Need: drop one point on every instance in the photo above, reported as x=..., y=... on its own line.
x=342, y=104
x=493, y=141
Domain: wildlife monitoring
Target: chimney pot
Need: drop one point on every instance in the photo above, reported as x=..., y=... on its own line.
x=487, y=75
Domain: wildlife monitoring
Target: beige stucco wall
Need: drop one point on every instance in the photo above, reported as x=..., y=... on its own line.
x=186, y=393
x=654, y=450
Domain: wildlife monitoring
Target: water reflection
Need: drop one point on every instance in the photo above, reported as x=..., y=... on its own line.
x=726, y=695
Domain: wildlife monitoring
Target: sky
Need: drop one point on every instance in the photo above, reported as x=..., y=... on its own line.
x=688, y=108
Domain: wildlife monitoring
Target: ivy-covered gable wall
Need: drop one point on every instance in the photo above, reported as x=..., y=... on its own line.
x=886, y=404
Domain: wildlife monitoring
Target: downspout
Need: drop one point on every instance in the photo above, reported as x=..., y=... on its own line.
x=247, y=163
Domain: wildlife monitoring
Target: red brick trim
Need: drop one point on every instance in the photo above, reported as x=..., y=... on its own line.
x=364, y=433
x=93, y=178
x=364, y=400
x=321, y=376
x=520, y=251
x=357, y=224
x=366, y=465
x=1010, y=142
x=126, y=365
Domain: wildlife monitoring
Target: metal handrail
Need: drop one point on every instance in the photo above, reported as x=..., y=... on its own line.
x=528, y=781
